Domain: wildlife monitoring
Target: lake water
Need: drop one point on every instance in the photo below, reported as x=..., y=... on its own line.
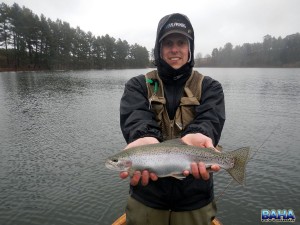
x=56, y=129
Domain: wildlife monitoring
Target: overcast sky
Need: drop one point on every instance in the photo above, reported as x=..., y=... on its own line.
x=215, y=22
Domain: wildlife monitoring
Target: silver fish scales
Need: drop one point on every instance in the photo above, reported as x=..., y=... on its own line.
x=171, y=158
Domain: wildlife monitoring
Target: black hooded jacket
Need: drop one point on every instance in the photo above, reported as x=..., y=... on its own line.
x=137, y=121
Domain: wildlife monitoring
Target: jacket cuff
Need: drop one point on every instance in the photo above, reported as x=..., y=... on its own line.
x=148, y=133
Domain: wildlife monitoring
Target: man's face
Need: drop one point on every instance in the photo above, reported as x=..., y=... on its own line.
x=175, y=50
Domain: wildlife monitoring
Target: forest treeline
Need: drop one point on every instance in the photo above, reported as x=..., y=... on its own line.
x=29, y=41
x=272, y=52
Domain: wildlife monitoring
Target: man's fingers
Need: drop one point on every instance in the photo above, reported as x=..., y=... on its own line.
x=153, y=176
x=203, y=172
x=135, y=178
x=195, y=170
x=145, y=177
x=186, y=173
x=124, y=175
x=215, y=168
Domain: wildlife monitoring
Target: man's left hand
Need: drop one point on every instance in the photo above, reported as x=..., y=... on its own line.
x=199, y=170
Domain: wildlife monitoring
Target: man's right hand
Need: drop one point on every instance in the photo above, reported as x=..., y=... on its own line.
x=137, y=175
x=144, y=176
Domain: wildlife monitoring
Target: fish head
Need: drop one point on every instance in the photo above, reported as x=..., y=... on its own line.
x=118, y=163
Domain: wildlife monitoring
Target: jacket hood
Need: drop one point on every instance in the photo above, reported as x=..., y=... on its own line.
x=163, y=29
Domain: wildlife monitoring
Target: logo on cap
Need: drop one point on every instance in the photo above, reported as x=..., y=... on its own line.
x=176, y=27
x=172, y=25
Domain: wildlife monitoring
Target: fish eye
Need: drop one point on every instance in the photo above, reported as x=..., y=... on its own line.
x=114, y=160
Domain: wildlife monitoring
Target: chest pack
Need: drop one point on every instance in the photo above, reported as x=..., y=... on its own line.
x=185, y=112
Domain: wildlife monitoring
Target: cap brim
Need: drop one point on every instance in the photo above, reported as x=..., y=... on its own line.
x=175, y=32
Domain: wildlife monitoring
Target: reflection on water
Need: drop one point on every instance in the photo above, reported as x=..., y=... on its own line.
x=56, y=129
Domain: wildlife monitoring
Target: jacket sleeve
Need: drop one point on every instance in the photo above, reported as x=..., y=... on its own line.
x=136, y=119
x=210, y=114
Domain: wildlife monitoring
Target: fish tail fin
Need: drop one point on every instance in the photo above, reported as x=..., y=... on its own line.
x=240, y=156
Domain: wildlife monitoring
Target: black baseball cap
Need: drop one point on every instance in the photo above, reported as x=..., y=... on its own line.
x=177, y=24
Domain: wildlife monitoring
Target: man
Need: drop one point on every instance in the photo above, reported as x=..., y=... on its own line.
x=170, y=102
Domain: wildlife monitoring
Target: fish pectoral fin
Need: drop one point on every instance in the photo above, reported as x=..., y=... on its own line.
x=178, y=176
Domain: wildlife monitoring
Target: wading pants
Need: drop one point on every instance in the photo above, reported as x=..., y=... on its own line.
x=139, y=214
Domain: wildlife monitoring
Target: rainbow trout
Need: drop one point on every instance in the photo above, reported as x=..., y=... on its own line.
x=171, y=158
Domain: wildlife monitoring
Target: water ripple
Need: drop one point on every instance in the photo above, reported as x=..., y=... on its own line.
x=57, y=128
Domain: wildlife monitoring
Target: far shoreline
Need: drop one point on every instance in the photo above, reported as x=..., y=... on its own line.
x=224, y=67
